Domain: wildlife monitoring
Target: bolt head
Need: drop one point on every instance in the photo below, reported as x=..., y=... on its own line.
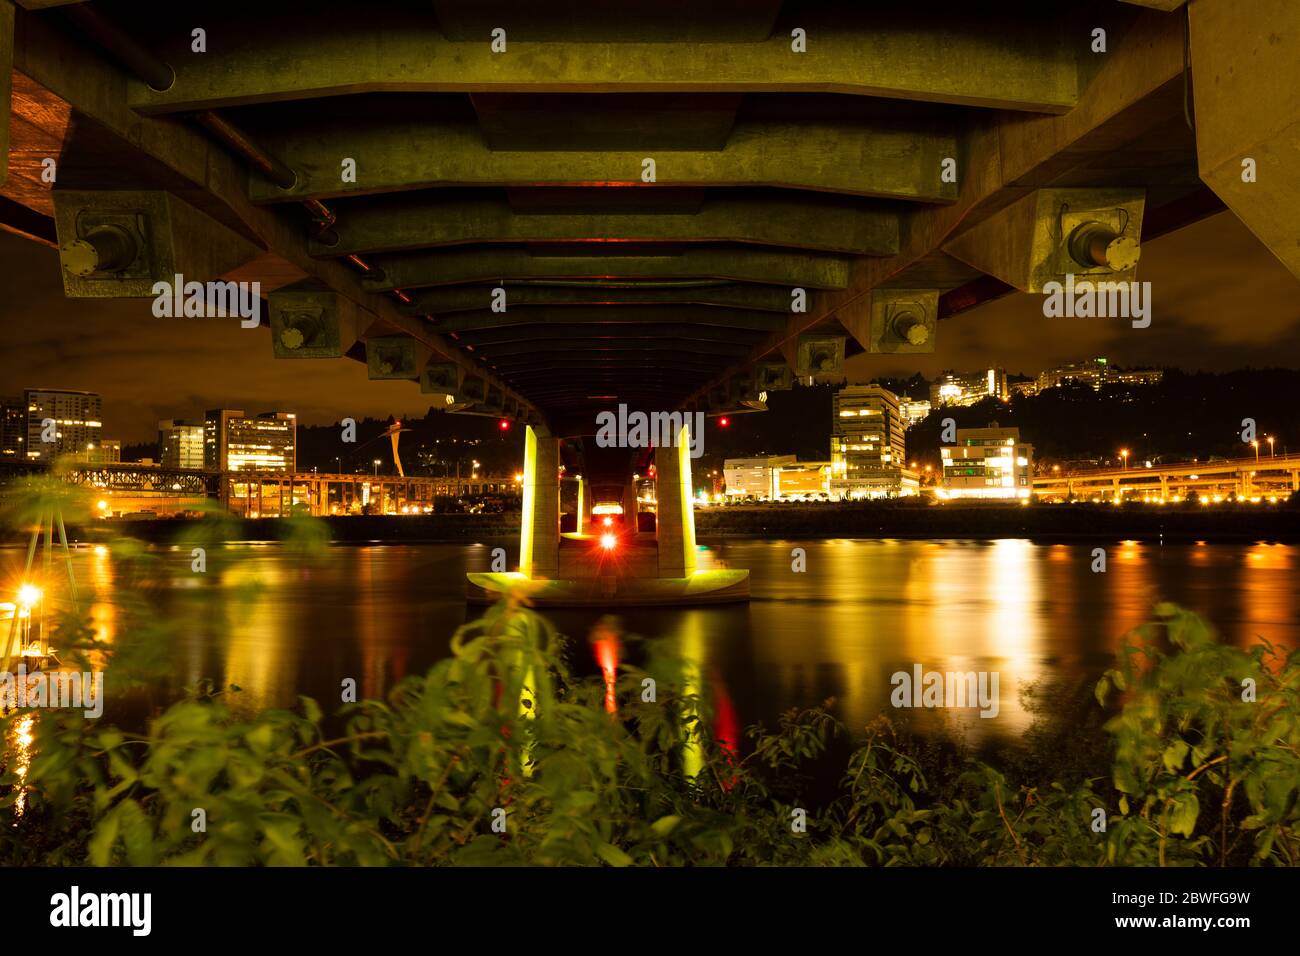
x=1122, y=253
x=79, y=257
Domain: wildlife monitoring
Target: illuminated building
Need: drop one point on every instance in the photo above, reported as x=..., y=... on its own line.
x=232, y=441
x=867, y=445
x=914, y=410
x=967, y=388
x=180, y=444
x=13, y=427
x=803, y=479
x=987, y=463
x=753, y=477
x=77, y=417
x=1097, y=372
x=105, y=452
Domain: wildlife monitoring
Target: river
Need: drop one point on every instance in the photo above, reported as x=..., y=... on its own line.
x=279, y=626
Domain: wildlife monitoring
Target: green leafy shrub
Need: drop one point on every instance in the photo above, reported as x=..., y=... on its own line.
x=502, y=730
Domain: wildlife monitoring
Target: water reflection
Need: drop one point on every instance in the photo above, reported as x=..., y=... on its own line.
x=862, y=610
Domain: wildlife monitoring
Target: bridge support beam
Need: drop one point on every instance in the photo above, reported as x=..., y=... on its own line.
x=1246, y=95
x=539, y=543
x=6, y=81
x=675, y=522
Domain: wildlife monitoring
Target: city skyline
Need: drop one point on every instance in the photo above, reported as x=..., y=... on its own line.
x=151, y=369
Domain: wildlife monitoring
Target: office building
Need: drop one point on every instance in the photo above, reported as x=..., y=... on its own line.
x=71, y=421
x=233, y=441
x=13, y=427
x=753, y=477
x=180, y=444
x=803, y=479
x=108, y=451
x=987, y=463
x=868, y=453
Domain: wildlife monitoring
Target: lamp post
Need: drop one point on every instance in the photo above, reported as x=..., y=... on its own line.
x=1123, y=453
x=1255, y=445
x=1272, y=452
x=376, y=467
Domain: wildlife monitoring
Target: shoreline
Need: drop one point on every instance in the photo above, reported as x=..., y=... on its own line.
x=867, y=521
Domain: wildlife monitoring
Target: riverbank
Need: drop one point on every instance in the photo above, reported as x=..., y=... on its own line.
x=889, y=519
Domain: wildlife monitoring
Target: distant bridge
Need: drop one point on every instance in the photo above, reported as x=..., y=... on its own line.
x=132, y=487
x=1263, y=477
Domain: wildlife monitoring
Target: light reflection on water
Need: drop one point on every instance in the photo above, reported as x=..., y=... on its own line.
x=278, y=627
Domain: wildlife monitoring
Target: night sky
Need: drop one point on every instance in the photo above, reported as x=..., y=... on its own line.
x=1220, y=301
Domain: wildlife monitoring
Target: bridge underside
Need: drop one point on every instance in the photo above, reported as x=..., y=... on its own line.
x=542, y=211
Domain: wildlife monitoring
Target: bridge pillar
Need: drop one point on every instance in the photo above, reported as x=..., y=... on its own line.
x=675, y=521
x=582, y=520
x=629, y=507
x=1248, y=117
x=539, y=543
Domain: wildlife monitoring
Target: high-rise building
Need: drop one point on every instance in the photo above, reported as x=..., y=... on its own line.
x=232, y=441
x=71, y=420
x=967, y=388
x=180, y=444
x=13, y=428
x=868, y=453
x=987, y=463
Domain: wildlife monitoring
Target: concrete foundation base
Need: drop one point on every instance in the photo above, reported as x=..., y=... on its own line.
x=702, y=587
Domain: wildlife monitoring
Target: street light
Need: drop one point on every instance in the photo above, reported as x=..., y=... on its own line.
x=1123, y=453
x=376, y=467
x=1255, y=445
x=1271, y=452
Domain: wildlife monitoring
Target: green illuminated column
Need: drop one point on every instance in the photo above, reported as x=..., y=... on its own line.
x=539, y=543
x=675, y=523
x=580, y=519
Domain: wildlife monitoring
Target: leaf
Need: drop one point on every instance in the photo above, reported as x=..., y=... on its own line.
x=665, y=825
x=1175, y=755
x=1103, y=688
x=612, y=855
x=1183, y=819
x=101, y=843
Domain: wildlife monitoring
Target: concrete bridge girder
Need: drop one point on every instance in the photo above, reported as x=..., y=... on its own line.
x=883, y=161
x=717, y=295
x=419, y=222
x=1006, y=157
x=1033, y=61
x=744, y=265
